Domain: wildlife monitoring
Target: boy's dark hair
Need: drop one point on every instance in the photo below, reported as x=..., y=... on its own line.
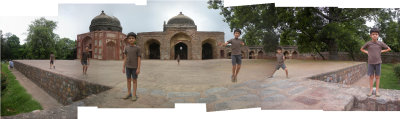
x=237, y=30
x=131, y=34
x=51, y=52
x=374, y=30
x=278, y=48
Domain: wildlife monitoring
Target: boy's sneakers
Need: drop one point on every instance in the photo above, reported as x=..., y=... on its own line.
x=127, y=96
x=134, y=98
x=270, y=77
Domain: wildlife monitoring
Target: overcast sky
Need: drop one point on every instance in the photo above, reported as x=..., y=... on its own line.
x=74, y=19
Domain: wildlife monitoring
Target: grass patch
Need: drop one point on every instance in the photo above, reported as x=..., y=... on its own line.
x=389, y=80
x=14, y=98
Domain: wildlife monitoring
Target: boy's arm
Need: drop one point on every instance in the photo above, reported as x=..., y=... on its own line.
x=138, y=67
x=364, y=51
x=123, y=66
x=363, y=48
x=387, y=48
x=242, y=43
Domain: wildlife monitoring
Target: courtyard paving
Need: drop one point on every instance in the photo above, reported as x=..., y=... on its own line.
x=163, y=82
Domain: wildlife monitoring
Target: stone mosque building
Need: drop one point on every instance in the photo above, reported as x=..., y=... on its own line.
x=179, y=37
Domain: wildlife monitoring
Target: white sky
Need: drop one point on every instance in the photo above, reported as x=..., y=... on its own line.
x=74, y=19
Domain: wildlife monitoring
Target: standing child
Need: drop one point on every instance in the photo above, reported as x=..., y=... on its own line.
x=236, y=56
x=11, y=64
x=52, y=58
x=131, y=65
x=374, y=50
x=85, y=60
x=281, y=62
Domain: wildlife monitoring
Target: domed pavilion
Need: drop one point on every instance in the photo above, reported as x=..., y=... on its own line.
x=105, y=39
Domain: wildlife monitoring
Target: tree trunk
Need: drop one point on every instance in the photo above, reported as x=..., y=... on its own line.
x=333, y=49
x=316, y=49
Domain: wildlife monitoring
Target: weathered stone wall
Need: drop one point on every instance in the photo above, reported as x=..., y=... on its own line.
x=347, y=75
x=63, y=88
x=390, y=57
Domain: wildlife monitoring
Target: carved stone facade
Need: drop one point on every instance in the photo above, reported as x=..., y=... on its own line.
x=105, y=39
x=180, y=37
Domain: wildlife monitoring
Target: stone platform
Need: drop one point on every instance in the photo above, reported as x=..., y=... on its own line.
x=162, y=83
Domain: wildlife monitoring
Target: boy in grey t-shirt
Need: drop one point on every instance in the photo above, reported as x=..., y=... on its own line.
x=281, y=62
x=374, y=50
x=236, y=56
x=131, y=65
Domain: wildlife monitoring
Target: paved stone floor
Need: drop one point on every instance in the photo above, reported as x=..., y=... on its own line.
x=163, y=82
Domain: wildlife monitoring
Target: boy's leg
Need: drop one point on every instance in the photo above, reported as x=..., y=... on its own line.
x=86, y=67
x=287, y=75
x=377, y=77
x=371, y=84
x=134, y=86
x=286, y=70
x=83, y=69
x=239, y=62
x=237, y=69
x=128, y=84
x=371, y=75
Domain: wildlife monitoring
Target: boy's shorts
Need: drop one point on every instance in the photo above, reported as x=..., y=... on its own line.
x=374, y=69
x=51, y=62
x=131, y=73
x=280, y=65
x=236, y=59
x=84, y=62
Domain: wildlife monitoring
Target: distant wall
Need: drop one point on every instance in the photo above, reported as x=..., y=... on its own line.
x=389, y=57
x=63, y=88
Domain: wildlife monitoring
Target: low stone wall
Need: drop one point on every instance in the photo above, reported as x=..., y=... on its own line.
x=388, y=57
x=63, y=88
x=347, y=75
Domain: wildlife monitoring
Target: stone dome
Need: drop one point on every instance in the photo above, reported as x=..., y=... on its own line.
x=180, y=19
x=104, y=22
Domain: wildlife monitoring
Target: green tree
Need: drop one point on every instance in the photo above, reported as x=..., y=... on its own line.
x=257, y=21
x=388, y=21
x=312, y=29
x=41, y=38
x=13, y=46
x=65, y=48
x=9, y=47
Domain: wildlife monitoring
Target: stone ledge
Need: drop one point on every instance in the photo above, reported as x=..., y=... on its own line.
x=63, y=88
x=347, y=75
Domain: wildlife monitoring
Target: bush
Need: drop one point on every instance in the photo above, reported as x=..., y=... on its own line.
x=3, y=82
x=397, y=70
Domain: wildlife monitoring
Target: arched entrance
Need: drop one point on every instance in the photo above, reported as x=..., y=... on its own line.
x=251, y=55
x=207, y=51
x=152, y=49
x=229, y=55
x=294, y=55
x=178, y=41
x=181, y=49
x=286, y=54
x=87, y=42
x=110, y=51
x=260, y=55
